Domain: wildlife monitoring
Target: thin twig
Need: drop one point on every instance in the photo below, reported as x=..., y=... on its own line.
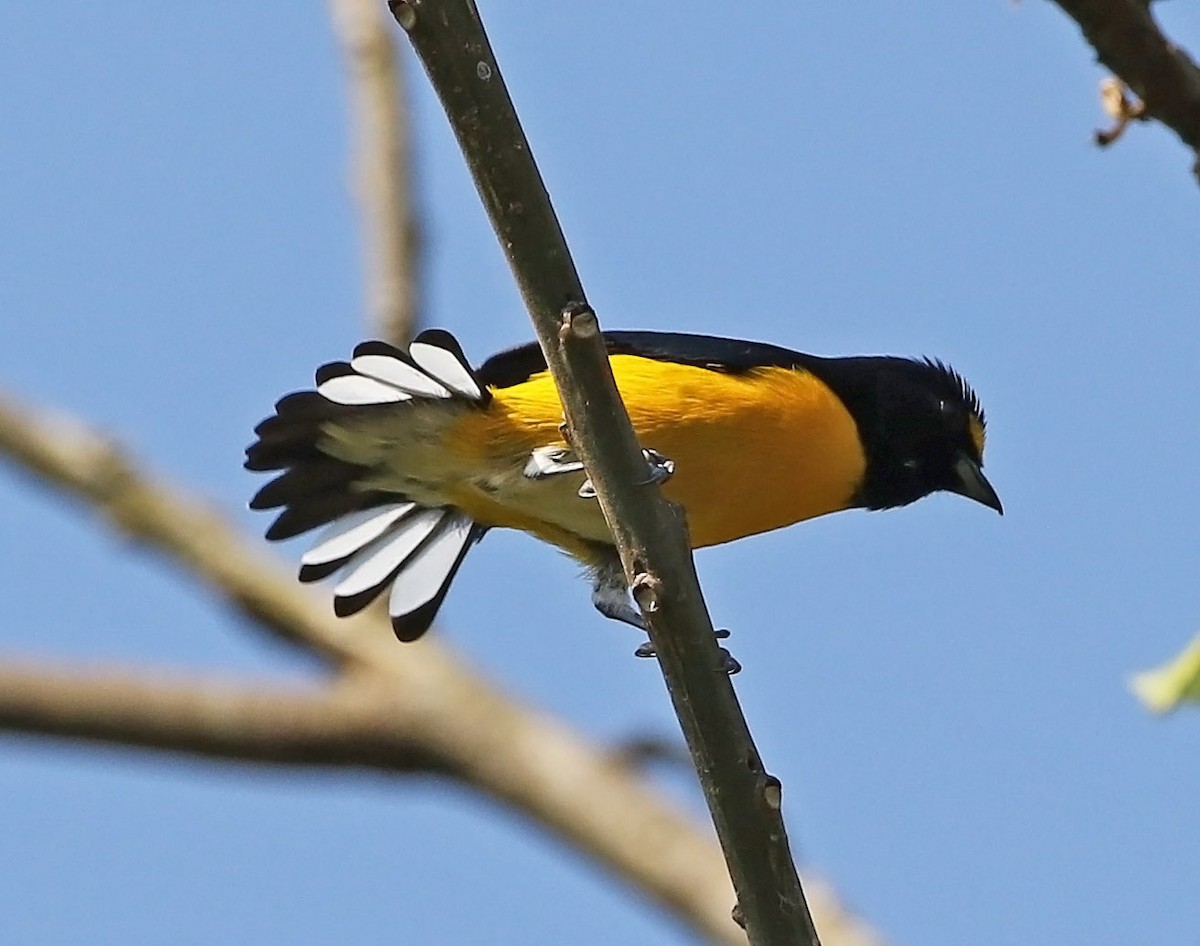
x=650, y=534
x=381, y=179
x=1128, y=41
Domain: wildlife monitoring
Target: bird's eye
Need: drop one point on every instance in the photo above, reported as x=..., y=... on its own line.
x=910, y=465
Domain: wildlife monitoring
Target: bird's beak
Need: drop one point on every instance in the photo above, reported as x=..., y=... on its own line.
x=974, y=485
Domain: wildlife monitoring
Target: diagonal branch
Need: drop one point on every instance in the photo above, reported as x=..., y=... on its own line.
x=651, y=536
x=381, y=178
x=1128, y=41
x=62, y=452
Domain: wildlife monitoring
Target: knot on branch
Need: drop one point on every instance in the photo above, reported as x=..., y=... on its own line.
x=647, y=591
x=772, y=792
x=405, y=14
x=1121, y=106
x=579, y=321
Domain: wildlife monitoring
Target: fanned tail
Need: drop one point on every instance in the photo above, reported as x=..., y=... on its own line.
x=373, y=537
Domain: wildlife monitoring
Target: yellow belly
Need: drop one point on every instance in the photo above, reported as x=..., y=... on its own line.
x=752, y=452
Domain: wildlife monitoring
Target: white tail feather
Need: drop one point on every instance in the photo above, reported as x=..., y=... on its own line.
x=380, y=378
x=395, y=372
x=423, y=575
x=351, y=532
x=446, y=368
x=355, y=389
x=373, y=564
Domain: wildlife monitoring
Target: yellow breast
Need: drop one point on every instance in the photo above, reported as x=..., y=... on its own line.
x=753, y=451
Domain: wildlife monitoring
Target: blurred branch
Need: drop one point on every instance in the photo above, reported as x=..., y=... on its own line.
x=389, y=708
x=381, y=179
x=372, y=724
x=650, y=534
x=1128, y=41
x=220, y=718
x=64, y=453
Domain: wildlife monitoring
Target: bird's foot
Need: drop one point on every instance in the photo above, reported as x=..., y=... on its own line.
x=729, y=664
x=659, y=470
x=551, y=461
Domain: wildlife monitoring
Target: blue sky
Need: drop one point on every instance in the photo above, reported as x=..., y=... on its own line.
x=940, y=690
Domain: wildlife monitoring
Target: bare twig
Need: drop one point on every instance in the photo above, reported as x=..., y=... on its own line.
x=1128, y=41
x=382, y=173
x=650, y=534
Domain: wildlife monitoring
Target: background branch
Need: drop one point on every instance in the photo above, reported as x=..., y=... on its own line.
x=381, y=176
x=252, y=721
x=369, y=724
x=406, y=709
x=64, y=453
x=1128, y=41
x=651, y=536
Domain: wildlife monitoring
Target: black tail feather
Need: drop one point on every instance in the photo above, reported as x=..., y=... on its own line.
x=308, y=513
x=305, y=479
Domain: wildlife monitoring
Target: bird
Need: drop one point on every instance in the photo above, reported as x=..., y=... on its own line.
x=409, y=456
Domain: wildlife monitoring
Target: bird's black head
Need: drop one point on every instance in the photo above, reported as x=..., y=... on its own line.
x=921, y=425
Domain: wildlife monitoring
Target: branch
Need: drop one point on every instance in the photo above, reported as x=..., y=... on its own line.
x=364, y=721
x=216, y=718
x=1128, y=41
x=381, y=179
x=743, y=799
x=63, y=452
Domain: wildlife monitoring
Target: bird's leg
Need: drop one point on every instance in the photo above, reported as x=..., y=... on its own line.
x=611, y=597
x=610, y=594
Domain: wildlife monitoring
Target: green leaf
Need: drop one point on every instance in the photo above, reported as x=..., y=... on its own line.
x=1164, y=688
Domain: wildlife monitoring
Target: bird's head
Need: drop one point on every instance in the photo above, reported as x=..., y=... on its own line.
x=923, y=430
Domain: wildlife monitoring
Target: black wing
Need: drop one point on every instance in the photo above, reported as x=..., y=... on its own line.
x=729, y=355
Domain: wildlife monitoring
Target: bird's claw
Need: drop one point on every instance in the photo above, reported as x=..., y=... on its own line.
x=659, y=470
x=729, y=664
